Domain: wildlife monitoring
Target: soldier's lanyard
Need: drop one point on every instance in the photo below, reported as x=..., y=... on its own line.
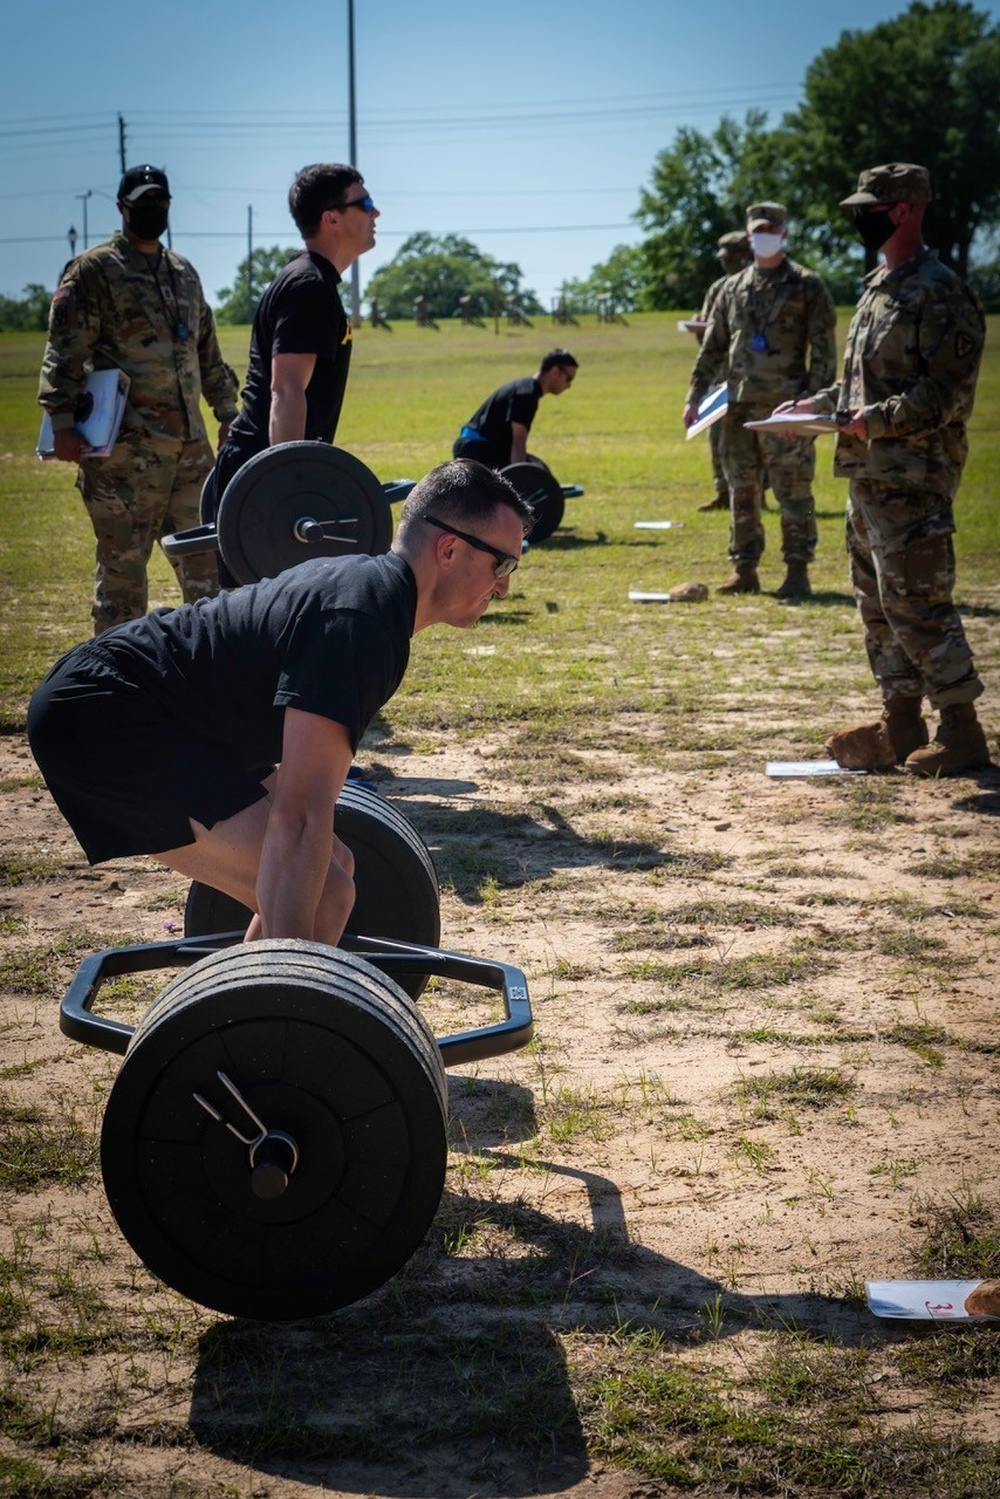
x=177, y=326
x=762, y=314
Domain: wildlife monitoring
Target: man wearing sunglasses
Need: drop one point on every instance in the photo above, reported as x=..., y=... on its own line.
x=216, y=737
x=300, y=346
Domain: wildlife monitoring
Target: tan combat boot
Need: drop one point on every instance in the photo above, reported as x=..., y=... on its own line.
x=959, y=745
x=884, y=744
x=796, y=584
x=743, y=580
x=721, y=502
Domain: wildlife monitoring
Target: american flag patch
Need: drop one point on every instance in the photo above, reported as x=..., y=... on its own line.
x=61, y=293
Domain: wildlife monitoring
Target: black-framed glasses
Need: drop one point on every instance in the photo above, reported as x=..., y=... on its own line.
x=366, y=203
x=506, y=564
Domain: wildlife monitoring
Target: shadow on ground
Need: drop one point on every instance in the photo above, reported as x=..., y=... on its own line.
x=453, y=1379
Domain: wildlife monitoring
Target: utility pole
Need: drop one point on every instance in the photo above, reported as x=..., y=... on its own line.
x=352, y=156
x=121, y=142
x=250, y=262
x=83, y=199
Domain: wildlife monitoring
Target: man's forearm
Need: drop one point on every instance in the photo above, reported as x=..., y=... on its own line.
x=287, y=422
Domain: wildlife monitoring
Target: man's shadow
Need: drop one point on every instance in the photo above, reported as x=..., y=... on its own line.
x=451, y=1379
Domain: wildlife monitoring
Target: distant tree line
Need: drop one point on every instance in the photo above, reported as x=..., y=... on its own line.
x=28, y=313
x=923, y=87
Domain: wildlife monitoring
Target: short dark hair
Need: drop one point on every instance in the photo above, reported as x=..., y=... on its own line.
x=316, y=190
x=461, y=491
x=558, y=359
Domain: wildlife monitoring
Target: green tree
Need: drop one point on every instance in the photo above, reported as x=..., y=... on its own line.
x=701, y=187
x=238, y=303
x=622, y=277
x=441, y=269
x=28, y=313
x=923, y=87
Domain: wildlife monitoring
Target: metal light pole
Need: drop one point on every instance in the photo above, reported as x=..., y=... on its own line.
x=250, y=308
x=83, y=199
x=353, y=155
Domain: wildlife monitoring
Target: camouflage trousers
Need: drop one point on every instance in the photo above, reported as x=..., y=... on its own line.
x=789, y=465
x=146, y=488
x=715, y=441
x=903, y=571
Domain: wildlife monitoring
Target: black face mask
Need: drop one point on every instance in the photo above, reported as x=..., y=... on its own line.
x=148, y=220
x=874, y=227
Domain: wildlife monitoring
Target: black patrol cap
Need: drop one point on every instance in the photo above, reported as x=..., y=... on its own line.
x=139, y=180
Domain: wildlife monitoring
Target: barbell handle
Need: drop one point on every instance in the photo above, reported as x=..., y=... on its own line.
x=189, y=543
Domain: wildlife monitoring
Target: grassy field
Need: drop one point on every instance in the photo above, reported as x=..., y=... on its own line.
x=618, y=433
x=766, y=1034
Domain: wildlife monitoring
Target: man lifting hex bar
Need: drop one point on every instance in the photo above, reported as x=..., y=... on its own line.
x=217, y=737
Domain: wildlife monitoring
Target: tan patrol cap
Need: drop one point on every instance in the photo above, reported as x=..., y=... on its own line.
x=733, y=243
x=766, y=216
x=895, y=182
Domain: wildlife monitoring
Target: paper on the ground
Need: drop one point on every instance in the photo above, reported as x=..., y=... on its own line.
x=711, y=410
x=692, y=325
x=802, y=423
x=935, y=1300
x=658, y=525
x=809, y=768
x=639, y=596
x=108, y=390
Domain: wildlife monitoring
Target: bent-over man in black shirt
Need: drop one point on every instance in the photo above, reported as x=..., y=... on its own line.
x=498, y=433
x=217, y=736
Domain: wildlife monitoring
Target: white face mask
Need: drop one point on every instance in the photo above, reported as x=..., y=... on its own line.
x=764, y=244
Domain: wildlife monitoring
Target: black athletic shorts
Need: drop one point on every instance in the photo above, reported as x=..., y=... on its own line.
x=127, y=777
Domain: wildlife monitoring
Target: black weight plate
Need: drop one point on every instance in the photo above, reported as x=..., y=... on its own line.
x=535, y=484
x=206, y=505
x=324, y=1048
x=397, y=888
x=267, y=498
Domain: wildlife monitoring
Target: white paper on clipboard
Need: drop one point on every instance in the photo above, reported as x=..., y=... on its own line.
x=797, y=423
x=711, y=410
x=108, y=392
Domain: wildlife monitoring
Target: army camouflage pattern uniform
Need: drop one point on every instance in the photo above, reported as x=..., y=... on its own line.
x=112, y=310
x=910, y=366
x=790, y=308
x=715, y=439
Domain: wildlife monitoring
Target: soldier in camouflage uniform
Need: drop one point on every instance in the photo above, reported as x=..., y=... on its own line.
x=733, y=253
x=133, y=305
x=773, y=331
x=909, y=381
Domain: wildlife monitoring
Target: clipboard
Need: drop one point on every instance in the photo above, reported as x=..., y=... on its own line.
x=711, y=410
x=99, y=415
x=803, y=424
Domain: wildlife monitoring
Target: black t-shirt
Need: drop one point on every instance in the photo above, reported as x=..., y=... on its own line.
x=300, y=313
x=330, y=636
x=517, y=401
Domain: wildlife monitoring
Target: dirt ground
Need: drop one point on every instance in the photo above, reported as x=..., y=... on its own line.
x=766, y=1042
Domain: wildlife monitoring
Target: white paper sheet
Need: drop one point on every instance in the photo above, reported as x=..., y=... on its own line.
x=802, y=424
x=108, y=390
x=711, y=410
x=935, y=1300
x=809, y=768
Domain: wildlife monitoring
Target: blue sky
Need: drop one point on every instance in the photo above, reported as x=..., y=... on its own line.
x=529, y=128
